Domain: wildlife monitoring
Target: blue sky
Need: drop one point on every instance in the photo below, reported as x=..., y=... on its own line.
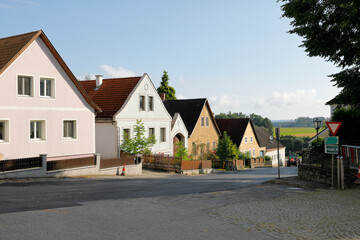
x=237, y=54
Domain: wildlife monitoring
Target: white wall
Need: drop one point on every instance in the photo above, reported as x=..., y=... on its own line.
x=68, y=104
x=106, y=140
x=178, y=127
x=274, y=158
x=159, y=118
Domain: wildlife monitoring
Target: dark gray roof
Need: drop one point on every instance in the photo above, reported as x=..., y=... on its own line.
x=234, y=127
x=189, y=110
x=264, y=139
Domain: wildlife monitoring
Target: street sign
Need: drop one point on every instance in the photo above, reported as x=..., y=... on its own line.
x=334, y=127
x=331, y=145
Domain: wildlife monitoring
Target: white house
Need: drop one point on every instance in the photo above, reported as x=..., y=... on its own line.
x=43, y=108
x=123, y=101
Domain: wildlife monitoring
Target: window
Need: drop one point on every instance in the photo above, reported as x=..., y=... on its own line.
x=69, y=129
x=46, y=87
x=207, y=121
x=151, y=103
x=254, y=152
x=126, y=133
x=202, y=121
x=251, y=139
x=151, y=132
x=163, y=134
x=4, y=131
x=142, y=103
x=208, y=146
x=245, y=139
x=37, y=130
x=25, y=86
x=214, y=145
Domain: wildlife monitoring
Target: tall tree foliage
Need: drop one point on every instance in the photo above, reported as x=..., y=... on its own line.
x=331, y=30
x=165, y=88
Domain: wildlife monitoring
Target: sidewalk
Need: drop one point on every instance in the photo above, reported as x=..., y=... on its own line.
x=301, y=183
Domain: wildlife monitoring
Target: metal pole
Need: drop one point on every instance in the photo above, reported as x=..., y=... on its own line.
x=338, y=172
x=278, y=151
x=332, y=170
x=342, y=174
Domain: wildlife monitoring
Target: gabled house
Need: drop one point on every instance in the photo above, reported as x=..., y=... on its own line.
x=242, y=133
x=269, y=145
x=199, y=120
x=123, y=101
x=43, y=108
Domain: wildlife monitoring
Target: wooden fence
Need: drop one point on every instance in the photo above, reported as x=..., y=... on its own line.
x=117, y=162
x=71, y=163
x=175, y=164
x=21, y=163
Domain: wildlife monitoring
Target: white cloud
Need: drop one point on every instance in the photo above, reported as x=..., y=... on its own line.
x=117, y=72
x=90, y=76
x=224, y=103
x=182, y=81
x=180, y=96
x=298, y=98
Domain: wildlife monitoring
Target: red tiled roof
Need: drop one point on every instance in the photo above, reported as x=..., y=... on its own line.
x=111, y=95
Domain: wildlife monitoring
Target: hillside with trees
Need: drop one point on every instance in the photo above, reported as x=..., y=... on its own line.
x=298, y=122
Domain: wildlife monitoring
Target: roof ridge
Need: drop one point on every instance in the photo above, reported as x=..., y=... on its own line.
x=23, y=34
x=110, y=78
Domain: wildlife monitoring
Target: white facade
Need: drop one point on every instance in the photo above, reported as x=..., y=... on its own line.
x=64, y=103
x=110, y=134
x=273, y=154
x=178, y=128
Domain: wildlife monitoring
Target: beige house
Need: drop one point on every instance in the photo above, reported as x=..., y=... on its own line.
x=242, y=133
x=203, y=132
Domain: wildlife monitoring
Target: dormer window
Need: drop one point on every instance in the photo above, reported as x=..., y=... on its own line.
x=25, y=86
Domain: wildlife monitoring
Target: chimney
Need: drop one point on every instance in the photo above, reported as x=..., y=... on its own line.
x=99, y=80
x=163, y=96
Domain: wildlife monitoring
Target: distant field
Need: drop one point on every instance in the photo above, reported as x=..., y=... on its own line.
x=298, y=132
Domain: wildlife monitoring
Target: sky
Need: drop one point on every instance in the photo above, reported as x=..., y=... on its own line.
x=235, y=53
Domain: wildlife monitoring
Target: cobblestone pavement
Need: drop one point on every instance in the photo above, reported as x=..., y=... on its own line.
x=321, y=214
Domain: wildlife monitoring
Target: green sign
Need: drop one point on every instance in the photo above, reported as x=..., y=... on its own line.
x=331, y=140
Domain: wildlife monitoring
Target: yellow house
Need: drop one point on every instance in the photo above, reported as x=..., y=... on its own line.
x=199, y=121
x=242, y=133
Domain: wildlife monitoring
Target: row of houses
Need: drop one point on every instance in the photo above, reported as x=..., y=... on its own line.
x=44, y=109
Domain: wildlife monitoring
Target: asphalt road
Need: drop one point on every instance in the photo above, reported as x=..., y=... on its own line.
x=153, y=206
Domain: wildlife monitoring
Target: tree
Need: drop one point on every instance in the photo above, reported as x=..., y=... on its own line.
x=258, y=120
x=349, y=131
x=331, y=30
x=165, y=88
x=181, y=151
x=225, y=147
x=138, y=144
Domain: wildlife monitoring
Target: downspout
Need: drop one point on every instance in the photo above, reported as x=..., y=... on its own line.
x=118, y=139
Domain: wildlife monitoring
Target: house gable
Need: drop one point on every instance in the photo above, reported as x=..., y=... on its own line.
x=131, y=107
x=12, y=48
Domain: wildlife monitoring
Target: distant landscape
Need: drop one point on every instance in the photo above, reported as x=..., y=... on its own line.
x=297, y=131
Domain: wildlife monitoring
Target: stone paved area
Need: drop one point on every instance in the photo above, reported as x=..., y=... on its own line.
x=320, y=214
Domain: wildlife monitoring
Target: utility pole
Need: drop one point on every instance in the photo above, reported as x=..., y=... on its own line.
x=277, y=132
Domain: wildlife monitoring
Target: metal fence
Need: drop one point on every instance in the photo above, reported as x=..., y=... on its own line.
x=351, y=155
x=20, y=163
x=71, y=163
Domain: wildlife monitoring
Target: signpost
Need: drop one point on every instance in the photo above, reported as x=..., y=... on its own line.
x=332, y=147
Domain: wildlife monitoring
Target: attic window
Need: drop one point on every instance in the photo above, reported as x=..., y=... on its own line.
x=25, y=86
x=142, y=103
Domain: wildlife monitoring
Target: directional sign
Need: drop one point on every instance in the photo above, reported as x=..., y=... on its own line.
x=334, y=127
x=332, y=149
x=331, y=140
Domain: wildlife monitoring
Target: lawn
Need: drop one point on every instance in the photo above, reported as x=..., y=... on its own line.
x=298, y=132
